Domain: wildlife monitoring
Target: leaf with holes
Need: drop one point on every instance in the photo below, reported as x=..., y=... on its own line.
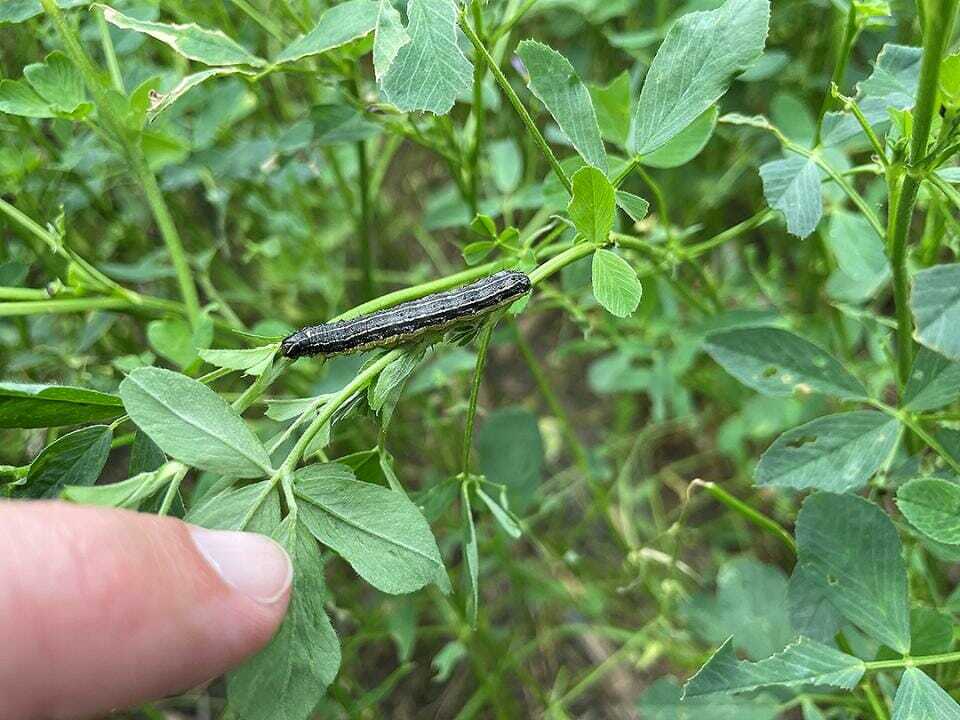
x=849, y=549
x=838, y=452
x=776, y=362
x=805, y=662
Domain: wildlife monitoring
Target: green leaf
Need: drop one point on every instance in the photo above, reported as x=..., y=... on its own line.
x=934, y=382
x=254, y=507
x=388, y=37
x=506, y=164
x=57, y=81
x=633, y=205
x=811, y=613
x=701, y=54
x=337, y=26
x=290, y=676
x=663, y=701
x=556, y=84
x=33, y=406
x=252, y=361
x=393, y=377
x=935, y=302
x=805, y=662
x=615, y=283
x=471, y=555
x=210, y=47
x=510, y=452
x=858, y=249
x=379, y=532
x=950, y=80
x=686, y=145
x=778, y=363
x=750, y=605
x=612, y=105
x=125, y=494
x=77, y=458
x=160, y=102
x=16, y=11
x=173, y=340
x=192, y=423
x=932, y=506
x=18, y=98
x=920, y=698
x=792, y=186
x=850, y=550
x=837, y=453
x=503, y=518
x=430, y=71
x=593, y=205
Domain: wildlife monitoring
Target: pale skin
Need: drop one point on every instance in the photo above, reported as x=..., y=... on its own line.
x=103, y=609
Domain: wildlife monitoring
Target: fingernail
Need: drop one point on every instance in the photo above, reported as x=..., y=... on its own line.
x=253, y=564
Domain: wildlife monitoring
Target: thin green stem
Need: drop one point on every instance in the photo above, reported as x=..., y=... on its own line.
x=752, y=515
x=910, y=421
x=850, y=32
x=907, y=661
x=483, y=346
x=110, y=55
x=172, y=490
x=761, y=218
x=364, y=222
x=514, y=99
x=478, y=111
x=558, y=262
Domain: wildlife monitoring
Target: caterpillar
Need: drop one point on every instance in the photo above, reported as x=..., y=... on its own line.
x=409, y=320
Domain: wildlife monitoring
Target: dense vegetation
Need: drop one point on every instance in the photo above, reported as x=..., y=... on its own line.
x=708, y=469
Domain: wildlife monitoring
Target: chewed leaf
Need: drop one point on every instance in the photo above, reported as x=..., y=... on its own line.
x=337, y=26
x=210, y=47
x=777, y=362
x=838, y=452
x=805, y=662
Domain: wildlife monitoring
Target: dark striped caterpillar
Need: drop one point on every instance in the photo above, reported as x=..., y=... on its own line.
x=409, y=320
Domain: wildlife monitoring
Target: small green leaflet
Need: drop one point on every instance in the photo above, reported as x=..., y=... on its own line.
x=778, y=363
x=556, y=84
x=510, y=451
x=173, y=340
x=612, y=105
x=337, y=26
x=615, y=283
x=58, y=82
x=633, y=205
x=858, y=249
x=932, y=505
x=289, y=677
x=935, y=302
x=18, y=98
x=686, y=144
x=792, y=186
x=388, y=37
x=193, y=424
x=379, y=532
x=77, y=458
x=128, y=493
x=920, y=698
x=663, y=701
x=849, y=549
x=593, y=205
x=471, y=555
x=701, y=54
x=33, y=406
x=838, y=452
x=15, y=11
x=934, y=382
x=252, y=361
x=254, y=507
x=805, y=662
x=210, y=47
x=430, y=71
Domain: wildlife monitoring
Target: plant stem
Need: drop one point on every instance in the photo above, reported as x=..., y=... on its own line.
x=558, y=262
x=937, y=33
x=850, y=33
x=109, y=53
x=363, y=225
x=517, y=104
x=483, y=346
x=479, y=113
x=362, y=379
x=754, y=516
x=907, y=661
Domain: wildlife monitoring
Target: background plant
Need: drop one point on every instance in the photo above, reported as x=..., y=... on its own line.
x=570, y=510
